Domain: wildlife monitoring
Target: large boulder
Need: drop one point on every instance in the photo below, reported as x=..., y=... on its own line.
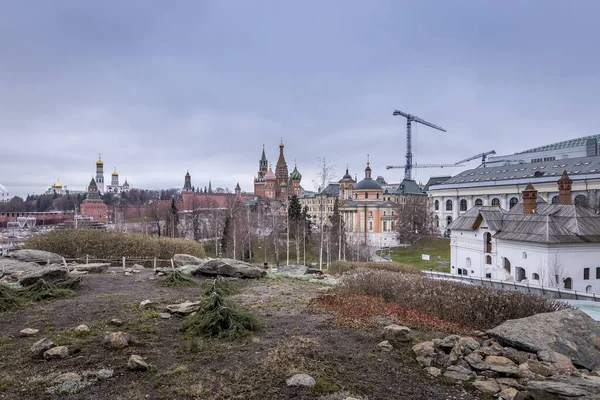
x=565, y=387
x=12, y=271
x=93, y=268
x=49, y=274
x=569, y=332
x=35, y=256
x=229, y=267
x=186, y=259
x=184, y=308
x=292, y=270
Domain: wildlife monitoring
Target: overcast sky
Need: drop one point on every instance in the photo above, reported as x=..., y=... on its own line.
x=162, y=87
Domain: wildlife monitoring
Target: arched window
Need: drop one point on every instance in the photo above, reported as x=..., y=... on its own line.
x=568, y=283
x=468, y=262
x=448, y=205
x=487, y=240
x=478, y=202
x=507, y=265
x=366, y=195
x=370, y=214
x=437, y=221
x=513, y=202
x=377, y=196
x=496, y=201
x=588, y=288
x=535, y=276
x=521, y=274
x=463, y=205
x=488, y=260
x=385, y=226
x=436, y=205
x=555, y=200
x=581, y=200
x=448, y=220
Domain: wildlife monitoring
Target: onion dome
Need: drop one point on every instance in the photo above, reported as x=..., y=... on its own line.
x=347, y=174
x=283, y=184
x=295, y=175
x=57, y=185
x=99, y=163
x=270, y=175
x=368, y=184
x=115, y=173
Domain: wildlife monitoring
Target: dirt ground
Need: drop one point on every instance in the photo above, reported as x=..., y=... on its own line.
x=344, y=361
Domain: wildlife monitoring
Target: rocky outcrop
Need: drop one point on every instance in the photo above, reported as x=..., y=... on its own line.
x=39, y=348
x=27, y=273
x=397, y=333
x=565, y=387
x=186, y=259
x=35, y=256
x=301, y=380
x=137, y=363
x=184, y=308
x=569, y=332
x=93, y=268
x=292, y=270
x=511, y=373
x=117, y=340
x=230, y=268
x=56, y=353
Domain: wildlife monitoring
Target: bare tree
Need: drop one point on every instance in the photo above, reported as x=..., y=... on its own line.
x=414, y=220
x=552, y=272
x=324, y=176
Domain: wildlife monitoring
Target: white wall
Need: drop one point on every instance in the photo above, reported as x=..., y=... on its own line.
x=533, y=258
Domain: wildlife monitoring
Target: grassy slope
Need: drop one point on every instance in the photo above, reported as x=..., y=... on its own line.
x=433, y=246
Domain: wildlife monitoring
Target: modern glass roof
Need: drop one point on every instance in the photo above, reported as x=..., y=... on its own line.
x=562, y=145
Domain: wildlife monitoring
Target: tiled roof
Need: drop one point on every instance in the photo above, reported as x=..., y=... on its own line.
x=550, y=224
x=547, y=171
x=565, y=144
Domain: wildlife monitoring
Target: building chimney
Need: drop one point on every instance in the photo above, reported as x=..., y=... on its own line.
x=529, y=199
x=564, y=188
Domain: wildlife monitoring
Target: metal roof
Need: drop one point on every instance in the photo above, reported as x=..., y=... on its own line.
x=407, y=186
x=368, y=184
x=547, y=171
x=565, y=144
x=550, y=224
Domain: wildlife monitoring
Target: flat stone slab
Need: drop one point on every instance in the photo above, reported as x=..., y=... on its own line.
x=570, y=332
x=93, y=268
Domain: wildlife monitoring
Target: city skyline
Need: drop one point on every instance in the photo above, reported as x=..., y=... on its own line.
x=161, y=89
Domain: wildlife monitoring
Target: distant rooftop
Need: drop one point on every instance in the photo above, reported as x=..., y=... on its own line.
x=565, y=144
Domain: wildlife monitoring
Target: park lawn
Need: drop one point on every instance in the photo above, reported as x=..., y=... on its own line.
x=435, y=247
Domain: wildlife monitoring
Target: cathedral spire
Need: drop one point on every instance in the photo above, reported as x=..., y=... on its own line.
x=264, y=157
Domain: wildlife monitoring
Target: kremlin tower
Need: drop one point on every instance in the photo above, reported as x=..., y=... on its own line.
x=100, y=175
x=279, y=184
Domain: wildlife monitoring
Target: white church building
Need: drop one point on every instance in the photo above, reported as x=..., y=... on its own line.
x=553, y=244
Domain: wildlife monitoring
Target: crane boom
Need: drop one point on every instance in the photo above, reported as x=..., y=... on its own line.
x=424, y=166
x=483, y=157
x=409, y=119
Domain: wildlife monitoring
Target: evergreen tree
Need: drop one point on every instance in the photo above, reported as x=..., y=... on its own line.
x=295, y=217
x=336, y=230
x=174, y=217
x=225, y=236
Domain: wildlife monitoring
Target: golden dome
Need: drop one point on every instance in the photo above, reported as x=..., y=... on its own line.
x=115, y=173
x=99, y=163
x=58, y=185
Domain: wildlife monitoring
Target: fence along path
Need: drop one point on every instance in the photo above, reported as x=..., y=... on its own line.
x=546, y=291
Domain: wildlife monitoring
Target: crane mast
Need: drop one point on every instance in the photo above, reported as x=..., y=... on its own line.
x=409, y=119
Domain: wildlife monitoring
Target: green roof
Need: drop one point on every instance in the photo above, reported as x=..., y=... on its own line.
x=565, y=144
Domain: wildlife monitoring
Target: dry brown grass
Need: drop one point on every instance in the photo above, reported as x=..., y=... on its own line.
x=474, y=306
x=340, y=267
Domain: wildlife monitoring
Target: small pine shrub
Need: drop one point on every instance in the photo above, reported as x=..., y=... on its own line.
x=223, y=286
x=42, y=290
x=9, y=298
x=176, y=278
x=220, y=318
